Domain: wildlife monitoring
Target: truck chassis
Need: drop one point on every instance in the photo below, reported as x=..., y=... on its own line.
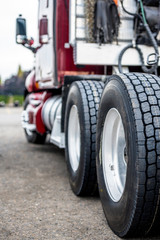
x=99, y=108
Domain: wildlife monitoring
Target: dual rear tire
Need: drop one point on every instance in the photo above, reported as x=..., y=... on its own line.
x=80, y=132
x=127, y=149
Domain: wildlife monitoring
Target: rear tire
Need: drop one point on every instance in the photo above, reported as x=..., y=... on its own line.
x=80, y=131
x=33, y=136
x=128, y=151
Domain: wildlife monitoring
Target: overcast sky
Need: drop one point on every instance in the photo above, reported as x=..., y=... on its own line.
x=11, y=54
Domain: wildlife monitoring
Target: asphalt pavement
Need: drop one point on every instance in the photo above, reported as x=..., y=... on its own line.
x=36, y=201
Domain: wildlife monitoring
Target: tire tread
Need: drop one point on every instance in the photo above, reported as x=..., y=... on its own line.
x=144, y=92
x=92, y=91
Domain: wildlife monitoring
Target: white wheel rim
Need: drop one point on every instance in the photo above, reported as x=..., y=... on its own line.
x=29, y=132
x=114, y=159
x=74, y=138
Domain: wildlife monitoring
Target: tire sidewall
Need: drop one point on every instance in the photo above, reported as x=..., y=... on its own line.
x=76, y=178
x=119, y=214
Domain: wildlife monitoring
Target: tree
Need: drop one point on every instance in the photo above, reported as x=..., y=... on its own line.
x=20, y=72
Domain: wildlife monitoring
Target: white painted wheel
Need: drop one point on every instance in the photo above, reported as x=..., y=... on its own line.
x=74, y=143
x=30, y=130
x=114, y=155
x=80, y=135
x=128, y=146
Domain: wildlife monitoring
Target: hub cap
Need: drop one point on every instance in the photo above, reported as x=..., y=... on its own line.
x=114, y=155
x=74, y=138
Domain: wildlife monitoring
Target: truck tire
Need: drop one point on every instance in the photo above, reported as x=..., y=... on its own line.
x=33, y=136
x=128, y=153
x=80, y=133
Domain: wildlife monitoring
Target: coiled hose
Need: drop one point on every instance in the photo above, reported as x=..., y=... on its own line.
x=153, y=68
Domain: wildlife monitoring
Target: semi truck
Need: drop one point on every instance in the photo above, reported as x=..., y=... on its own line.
x=95, y=91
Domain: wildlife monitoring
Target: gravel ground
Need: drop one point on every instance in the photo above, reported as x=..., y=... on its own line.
x=36, y=201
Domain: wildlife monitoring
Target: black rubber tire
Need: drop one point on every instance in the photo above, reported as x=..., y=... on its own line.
x=136, y=97
x=33, y=137
x=85, y=95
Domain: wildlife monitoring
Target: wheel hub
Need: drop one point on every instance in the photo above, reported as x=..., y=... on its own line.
x=74, y=138
x=114, y=155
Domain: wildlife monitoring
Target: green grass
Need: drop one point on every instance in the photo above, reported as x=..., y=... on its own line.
x=4, y=98
x=11, y=99
x=19, y=98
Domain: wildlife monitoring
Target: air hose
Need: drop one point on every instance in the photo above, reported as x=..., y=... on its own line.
x=153, y=68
